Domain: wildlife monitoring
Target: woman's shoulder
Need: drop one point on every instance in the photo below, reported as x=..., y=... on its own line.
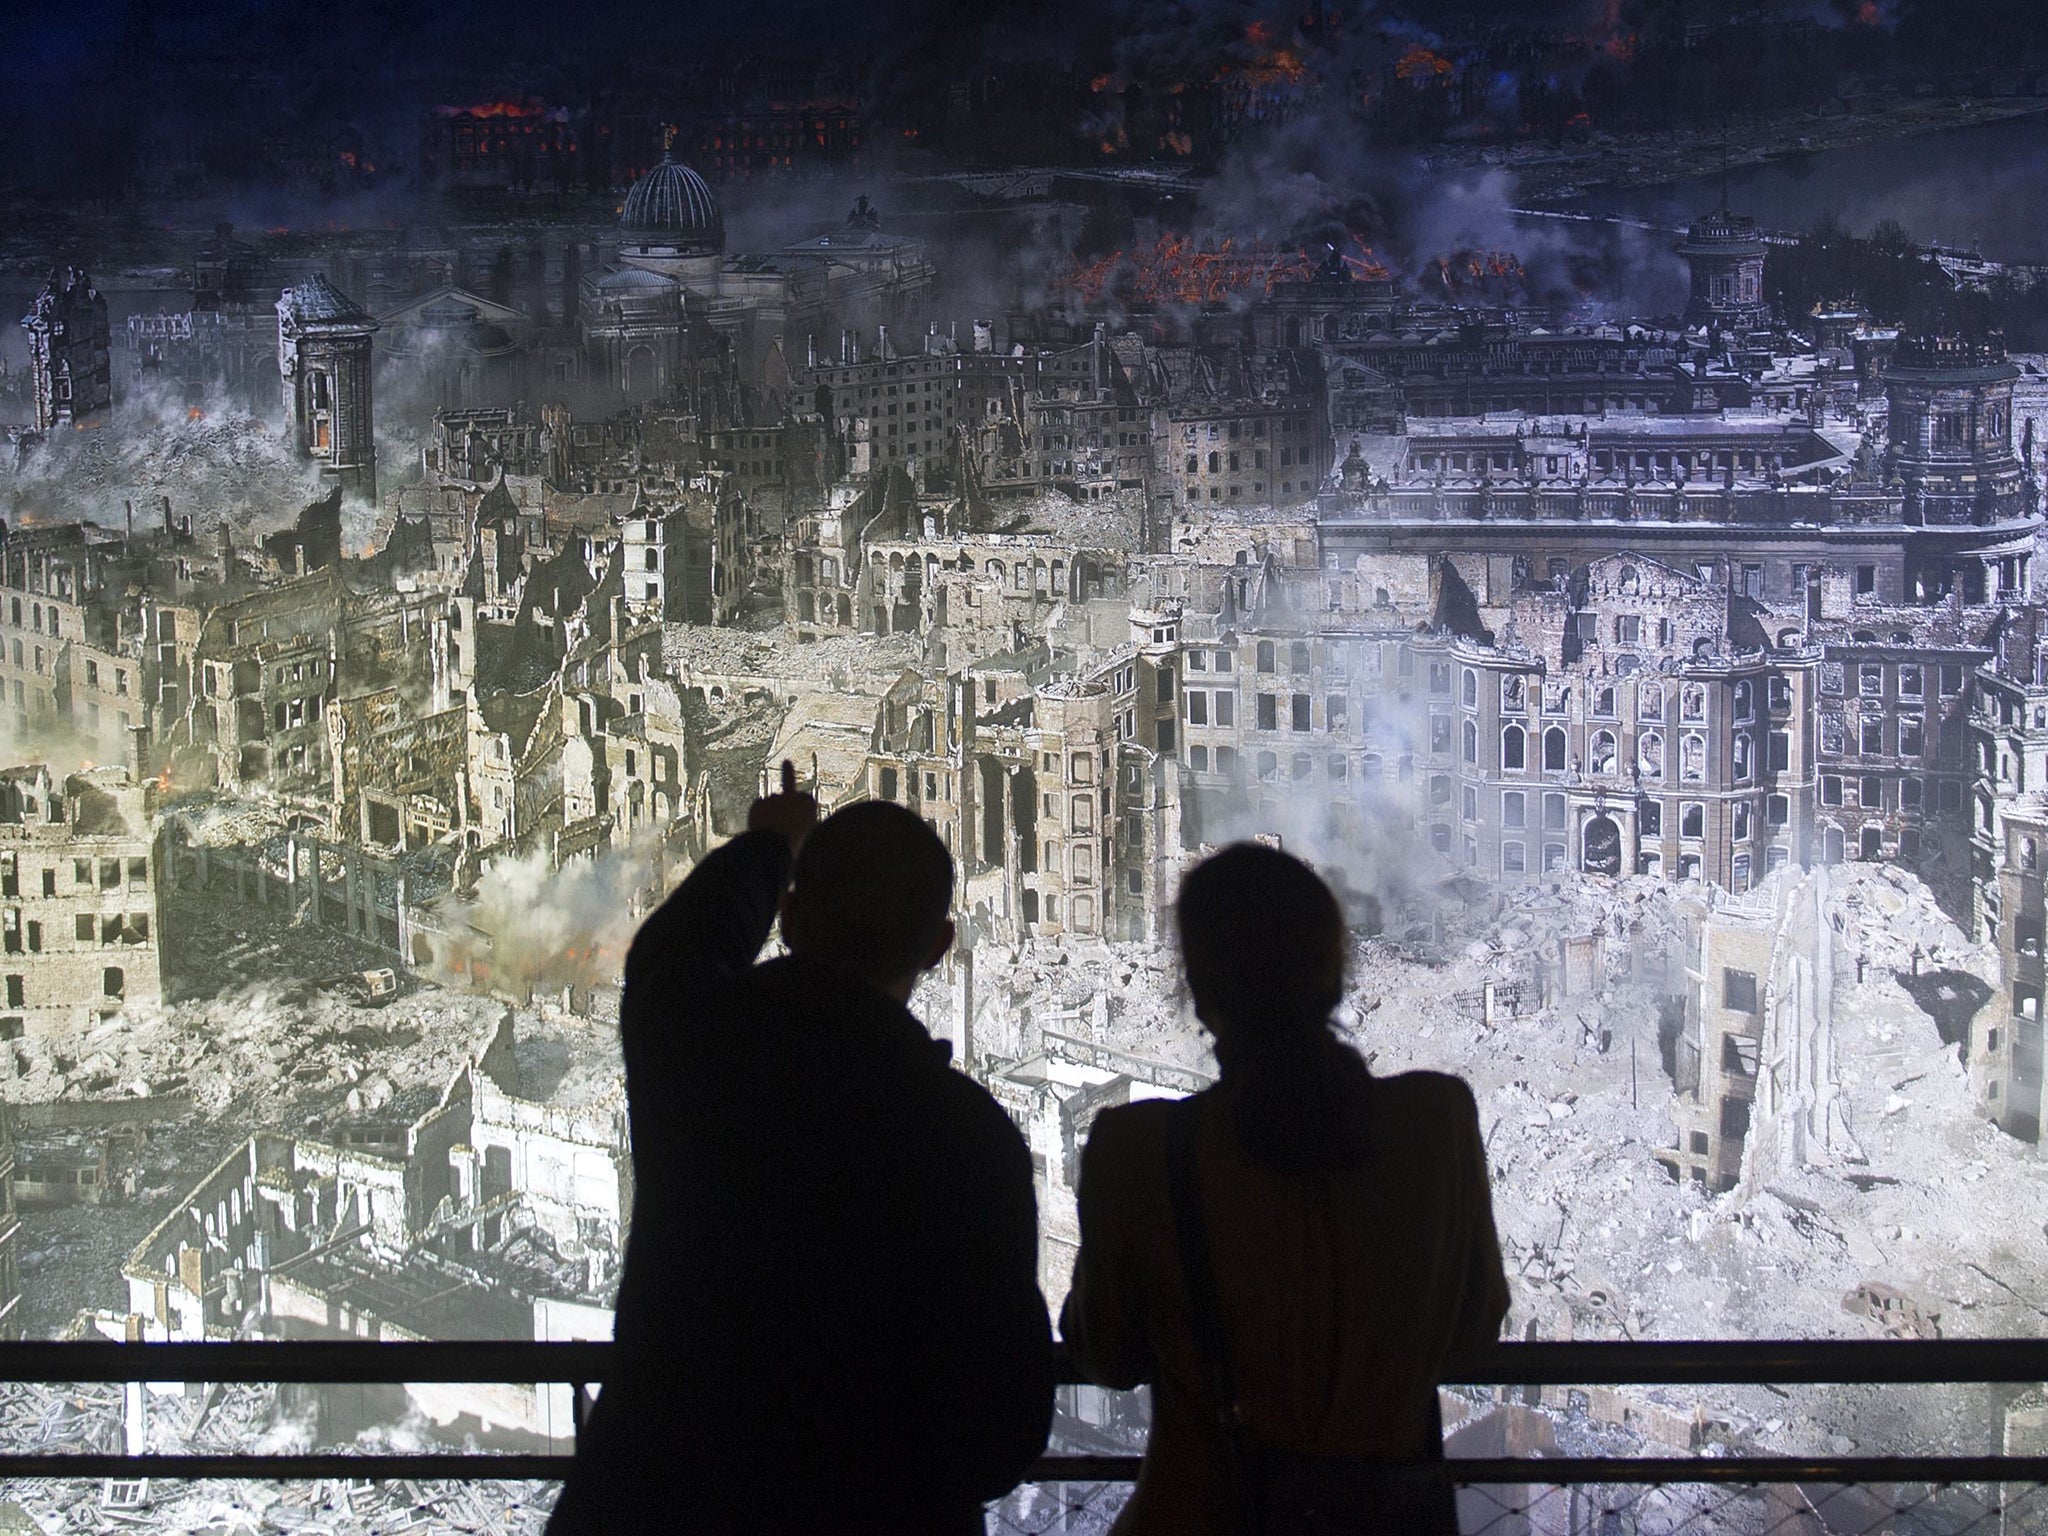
x=1136, y=1131
x=1423, y=1097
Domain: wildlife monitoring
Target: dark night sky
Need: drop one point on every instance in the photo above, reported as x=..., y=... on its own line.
x=389, y=37
x=83, y=84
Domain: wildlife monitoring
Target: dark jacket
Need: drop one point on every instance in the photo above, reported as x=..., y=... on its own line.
x=830, y=1315
x=1342, y=1293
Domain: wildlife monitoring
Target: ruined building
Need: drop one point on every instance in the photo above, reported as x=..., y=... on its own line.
x=1735, y=972
x=1949, y=431
x=323, y=353
x=268, y=673
x=2018, y=908
x=10, y=1232
x=69, y=365
x=685, y=561
x=78, y=908
x=488, y=1216
x=2009, y=853
x=223, y=345
x=94, y=642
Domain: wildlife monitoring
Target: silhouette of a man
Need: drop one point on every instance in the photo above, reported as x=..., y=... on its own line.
x=830, y=1316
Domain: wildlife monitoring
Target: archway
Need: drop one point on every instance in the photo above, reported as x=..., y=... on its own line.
x=1601, y=847
x=640, y=373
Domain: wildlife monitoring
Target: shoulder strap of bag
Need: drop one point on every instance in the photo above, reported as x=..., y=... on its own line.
x=1210, y=1338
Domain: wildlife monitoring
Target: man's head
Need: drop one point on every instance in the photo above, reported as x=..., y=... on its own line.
x=1263, y=940
x=871, y=891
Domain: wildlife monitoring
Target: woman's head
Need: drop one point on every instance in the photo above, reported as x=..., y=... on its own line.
x=1263, y=941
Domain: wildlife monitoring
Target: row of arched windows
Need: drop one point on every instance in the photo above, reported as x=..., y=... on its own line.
x=1603, y=751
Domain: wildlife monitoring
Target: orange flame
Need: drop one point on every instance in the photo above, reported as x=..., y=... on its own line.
x=1418, y=63
x=1478, y=267
x=1172, y=270
x=1279, y=66
x=507, y=107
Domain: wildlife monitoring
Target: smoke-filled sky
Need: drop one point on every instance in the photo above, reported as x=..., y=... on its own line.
x=1308, y=119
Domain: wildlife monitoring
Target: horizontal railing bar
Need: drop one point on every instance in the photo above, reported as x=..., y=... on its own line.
x=1487, y=1473
x=428, y=1466
x=1609, y=1363
x=308, y=1361
x=1491, y=1472
x=1750, y=1469
x=1783, y=1362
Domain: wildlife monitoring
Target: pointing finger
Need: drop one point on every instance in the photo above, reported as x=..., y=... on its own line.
x=788, y=777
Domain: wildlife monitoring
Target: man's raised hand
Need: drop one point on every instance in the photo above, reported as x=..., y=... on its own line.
x=789, y=811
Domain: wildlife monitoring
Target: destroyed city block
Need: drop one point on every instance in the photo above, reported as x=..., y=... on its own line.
x=1571, y=473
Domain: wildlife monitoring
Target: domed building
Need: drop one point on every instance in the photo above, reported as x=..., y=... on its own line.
x=671, y=226
x=646, y=317
x=672, y=302
x=1724, y=252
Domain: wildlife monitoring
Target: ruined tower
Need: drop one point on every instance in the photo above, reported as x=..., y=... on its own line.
x=323, y=352
x=67, y=345
x=1725, y=253
x=1948, y=436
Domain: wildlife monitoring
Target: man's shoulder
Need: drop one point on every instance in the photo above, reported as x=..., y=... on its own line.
x=969, y=1106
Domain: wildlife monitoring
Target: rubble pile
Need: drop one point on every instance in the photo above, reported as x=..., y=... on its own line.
x=1115, y=522
x=1121, y=995
x=700, y=656
x=1575, y=1101
x=318, y=1508
x=730, y=741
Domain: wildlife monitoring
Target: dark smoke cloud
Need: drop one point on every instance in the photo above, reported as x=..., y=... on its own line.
x=1320, y=181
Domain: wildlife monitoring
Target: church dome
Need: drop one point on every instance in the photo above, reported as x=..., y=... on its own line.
x=1723, y=233
x=671, y=205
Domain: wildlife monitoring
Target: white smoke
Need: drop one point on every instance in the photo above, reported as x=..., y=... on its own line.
x=217, y=465
x=544, y=928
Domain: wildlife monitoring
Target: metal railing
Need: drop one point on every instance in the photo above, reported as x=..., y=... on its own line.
x=325, y=1362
